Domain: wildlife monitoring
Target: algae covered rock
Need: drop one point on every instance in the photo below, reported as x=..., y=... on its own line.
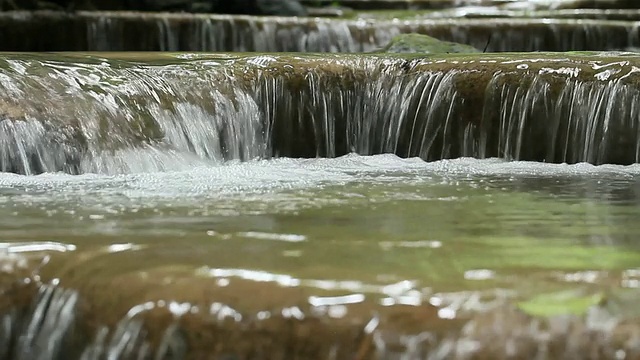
x=424, y=44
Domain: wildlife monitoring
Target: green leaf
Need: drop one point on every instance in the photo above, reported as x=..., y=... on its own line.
x=560, y=303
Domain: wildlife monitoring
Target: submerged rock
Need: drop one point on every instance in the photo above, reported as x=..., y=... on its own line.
x=55, y=323
x=425, y=44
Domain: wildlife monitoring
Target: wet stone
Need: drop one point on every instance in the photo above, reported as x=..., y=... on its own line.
x=102, y=31
x=186, y=330
x=424, y=44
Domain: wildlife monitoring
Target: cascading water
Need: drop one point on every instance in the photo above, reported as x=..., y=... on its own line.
x=596, y=122
x=166, y=259
x=225, y=33
x=47, y=329
x=123, y=120
x=279, y=206
x=86, y=31
x=115, y=117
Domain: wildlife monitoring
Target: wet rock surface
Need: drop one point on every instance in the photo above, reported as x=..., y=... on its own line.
x=193, y=320
x=99, y=31
x=424, y=44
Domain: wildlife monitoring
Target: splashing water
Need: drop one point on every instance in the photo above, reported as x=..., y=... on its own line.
x=119, y=117
x=104, y=31
x=449, y=239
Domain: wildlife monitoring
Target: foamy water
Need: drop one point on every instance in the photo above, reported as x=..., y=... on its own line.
x=185, y=200
x=255, y=178
x=462, y=235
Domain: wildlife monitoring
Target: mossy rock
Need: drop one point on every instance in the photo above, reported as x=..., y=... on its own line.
x=424, y=44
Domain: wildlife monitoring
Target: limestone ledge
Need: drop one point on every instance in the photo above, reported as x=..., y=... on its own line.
x=585, y=66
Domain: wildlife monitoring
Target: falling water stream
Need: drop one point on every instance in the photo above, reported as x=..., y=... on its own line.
x=294, y=206
x=107, y=31
x=92, y=114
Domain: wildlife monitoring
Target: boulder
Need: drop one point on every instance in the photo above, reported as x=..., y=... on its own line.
x=424, y=44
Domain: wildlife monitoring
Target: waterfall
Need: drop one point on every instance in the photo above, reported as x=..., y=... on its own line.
x=243, y=33
x=41, y=330
x=96, y=118
x=596, y=122
x=115, y=116
x=48, y=329
x=108, y=31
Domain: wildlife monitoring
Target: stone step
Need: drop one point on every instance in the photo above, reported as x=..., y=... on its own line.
x=106, y=31
x=468, y=118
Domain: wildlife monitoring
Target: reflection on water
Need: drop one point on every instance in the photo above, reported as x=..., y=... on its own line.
x=354, y=239
x=374, y=220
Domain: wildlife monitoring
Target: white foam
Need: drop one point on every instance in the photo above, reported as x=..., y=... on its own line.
x=281, y=185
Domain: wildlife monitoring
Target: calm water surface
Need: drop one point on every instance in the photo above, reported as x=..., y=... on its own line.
x=396, y=230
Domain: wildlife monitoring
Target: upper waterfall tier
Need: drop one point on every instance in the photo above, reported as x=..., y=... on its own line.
x=112, y=31
x=147, y=112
